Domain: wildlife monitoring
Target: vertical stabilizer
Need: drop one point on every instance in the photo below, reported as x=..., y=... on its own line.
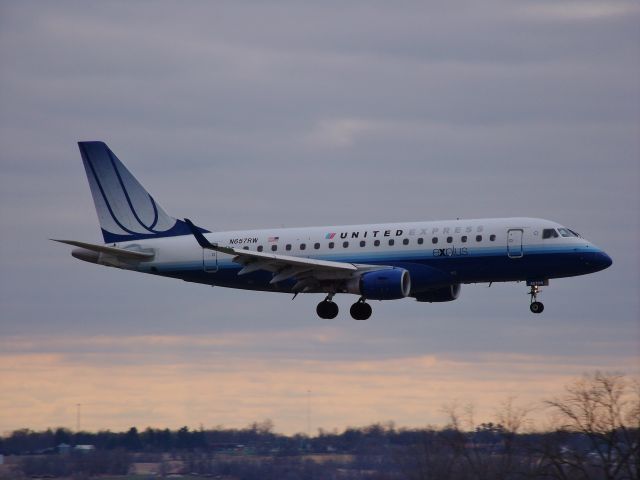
x=126, y=211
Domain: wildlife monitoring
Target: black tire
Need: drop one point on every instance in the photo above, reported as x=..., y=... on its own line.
x=360, y=311
x=332, y=310
x=366, y=311
x=536, y=307
x=327, y=310
x=321, y=309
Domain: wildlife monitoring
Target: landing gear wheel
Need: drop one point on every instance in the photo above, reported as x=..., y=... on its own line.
x=327, y=309
x=360, y=310
x=536, y=307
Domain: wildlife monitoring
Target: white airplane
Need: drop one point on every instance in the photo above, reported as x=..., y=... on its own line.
x=424, y=260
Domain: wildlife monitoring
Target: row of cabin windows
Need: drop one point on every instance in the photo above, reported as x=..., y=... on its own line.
x=376, y=243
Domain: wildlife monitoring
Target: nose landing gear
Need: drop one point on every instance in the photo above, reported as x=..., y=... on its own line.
x=327, y=308
x=535, y=307
x=360, y=310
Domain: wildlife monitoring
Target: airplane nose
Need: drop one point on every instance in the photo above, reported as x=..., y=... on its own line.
x=605, y=260
x=597, y=260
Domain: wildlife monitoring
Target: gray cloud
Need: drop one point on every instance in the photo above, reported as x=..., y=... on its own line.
x=257, y=115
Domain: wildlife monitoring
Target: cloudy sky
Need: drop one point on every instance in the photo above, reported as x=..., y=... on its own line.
x=259, y=114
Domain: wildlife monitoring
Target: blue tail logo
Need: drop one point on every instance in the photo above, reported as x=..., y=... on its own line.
x=126, y=211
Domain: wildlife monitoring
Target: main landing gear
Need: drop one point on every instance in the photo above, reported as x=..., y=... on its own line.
x=328, y=309
x=535, y=307
x=360, y=310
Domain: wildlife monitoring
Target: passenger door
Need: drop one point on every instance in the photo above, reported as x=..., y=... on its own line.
x=514, y=243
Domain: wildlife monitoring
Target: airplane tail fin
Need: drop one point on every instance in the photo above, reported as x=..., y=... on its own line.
x=126, y=211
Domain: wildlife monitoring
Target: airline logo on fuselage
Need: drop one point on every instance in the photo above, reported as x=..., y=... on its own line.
x=401, y=232
x=365, y=234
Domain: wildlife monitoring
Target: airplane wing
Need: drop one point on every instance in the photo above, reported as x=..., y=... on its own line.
x=309, y=273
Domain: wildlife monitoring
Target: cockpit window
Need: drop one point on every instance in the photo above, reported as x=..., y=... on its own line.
x=565, y=232
x=549, y=233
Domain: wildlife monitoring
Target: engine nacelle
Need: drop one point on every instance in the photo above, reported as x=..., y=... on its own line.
x=443, y=294
x=387, y=284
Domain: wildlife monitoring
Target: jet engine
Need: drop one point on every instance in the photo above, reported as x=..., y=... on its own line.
x=387, y=284
x=442, y=294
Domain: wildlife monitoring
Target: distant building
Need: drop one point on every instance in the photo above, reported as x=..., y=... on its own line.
x=84, y=448
x=64, y=449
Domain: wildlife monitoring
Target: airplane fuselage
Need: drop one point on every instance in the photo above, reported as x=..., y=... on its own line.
x=435, y=254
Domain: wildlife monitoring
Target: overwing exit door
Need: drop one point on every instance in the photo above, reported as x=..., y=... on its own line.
x=514, y=243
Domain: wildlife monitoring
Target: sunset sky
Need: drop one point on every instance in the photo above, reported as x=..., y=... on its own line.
x=264, y=114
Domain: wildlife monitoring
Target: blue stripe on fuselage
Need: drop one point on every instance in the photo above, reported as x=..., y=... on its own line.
x=480, y=264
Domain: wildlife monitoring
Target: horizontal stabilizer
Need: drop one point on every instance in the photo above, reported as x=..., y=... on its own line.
x=116, y=252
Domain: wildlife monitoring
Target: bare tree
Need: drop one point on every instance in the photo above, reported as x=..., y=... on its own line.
x=431, y=458
x=490, y=450
x=604, y=409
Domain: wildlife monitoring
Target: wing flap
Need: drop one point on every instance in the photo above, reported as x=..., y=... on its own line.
x=290, y=272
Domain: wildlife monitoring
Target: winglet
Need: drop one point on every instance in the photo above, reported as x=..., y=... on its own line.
x=200, y=238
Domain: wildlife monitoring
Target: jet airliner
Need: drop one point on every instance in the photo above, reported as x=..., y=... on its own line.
x=427, y=261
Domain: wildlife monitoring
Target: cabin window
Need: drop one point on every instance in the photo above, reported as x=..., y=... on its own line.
x=549, y=233
x=391, y=241
x=303, y=246
x=420, y=241
x=449, y=239
x=464, y=239
x=362, y=243
x=331, y=244
x=316, y=246
x=274, y=248
x=345, y=244
x=478, y=238
x=405, y=241
x=288, y=247
x=245, y=248
x=492, y=238
x=259, y=248
x=376, y=243
x=434, y=240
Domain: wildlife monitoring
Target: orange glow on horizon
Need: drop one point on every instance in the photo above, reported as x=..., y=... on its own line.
x=146, y=386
